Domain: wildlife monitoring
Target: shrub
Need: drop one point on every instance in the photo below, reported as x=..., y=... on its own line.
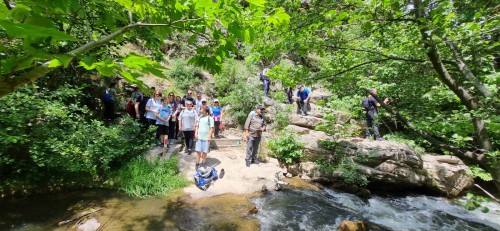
x=142, y=178
x=186, y=76
x=46, y=133
x=342, y=166
x=282, y=117
x=286, y=148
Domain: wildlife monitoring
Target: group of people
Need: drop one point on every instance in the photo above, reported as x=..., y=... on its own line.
x=198, y=123
x=174, y=117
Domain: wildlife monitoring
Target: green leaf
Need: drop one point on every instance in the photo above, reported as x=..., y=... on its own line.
x=257, y=2
x=55, y=63
x=18, y=30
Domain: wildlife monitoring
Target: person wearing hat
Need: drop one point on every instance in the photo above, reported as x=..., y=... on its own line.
x=217, y=114
x=254, y=126
x=303, y=98
x=204, y=103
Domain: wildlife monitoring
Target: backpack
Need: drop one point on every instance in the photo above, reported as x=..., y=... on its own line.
x=366, y=104
x=131, y=109
x=203, y=179
x=107, y=97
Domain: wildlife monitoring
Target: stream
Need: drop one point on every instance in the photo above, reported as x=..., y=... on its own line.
x=292, y=209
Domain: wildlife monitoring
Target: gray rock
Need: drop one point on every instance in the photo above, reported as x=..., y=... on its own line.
x=447, y=173
x=305, y=121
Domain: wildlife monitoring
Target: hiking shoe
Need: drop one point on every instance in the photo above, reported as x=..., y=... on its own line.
x=221, y=174
x=189, y=151
x=380, y=139
x=255, y=161
x=196, y=166
x=247, y=163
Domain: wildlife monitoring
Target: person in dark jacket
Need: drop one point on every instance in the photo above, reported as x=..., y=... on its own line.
x=371, y=105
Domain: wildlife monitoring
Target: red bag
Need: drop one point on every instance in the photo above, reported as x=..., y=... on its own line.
x=131, y=109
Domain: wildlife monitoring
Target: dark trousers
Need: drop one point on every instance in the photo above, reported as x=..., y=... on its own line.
x=289, y=95
x=266, y=87
x=172, y=134
x=217, y=128
x=371, y=121
x=109, y=110
x=189, y=137
x=252, y=148
x=302, y=105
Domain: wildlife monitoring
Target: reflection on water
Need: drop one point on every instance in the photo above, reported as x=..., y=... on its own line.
x=292, y=209
x=324, y=210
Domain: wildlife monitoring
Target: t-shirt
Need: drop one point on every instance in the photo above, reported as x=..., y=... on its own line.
x=188, y=119
x=216, y=111
x=198, y=105
x=303, y=94
x=184, y=99
x=204, y=125
x=136, y=96
x=165, y=112
x=153, y=105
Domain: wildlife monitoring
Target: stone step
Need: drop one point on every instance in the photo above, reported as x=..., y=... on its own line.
x=225, y=143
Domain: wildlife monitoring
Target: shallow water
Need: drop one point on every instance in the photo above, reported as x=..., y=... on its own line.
x=292, y=209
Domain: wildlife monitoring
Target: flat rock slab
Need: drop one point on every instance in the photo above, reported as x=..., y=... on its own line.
x=238, y=178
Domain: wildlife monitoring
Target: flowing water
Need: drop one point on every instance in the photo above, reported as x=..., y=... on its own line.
x=292, y=209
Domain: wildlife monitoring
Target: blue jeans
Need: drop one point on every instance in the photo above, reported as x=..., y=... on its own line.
x=266, y=87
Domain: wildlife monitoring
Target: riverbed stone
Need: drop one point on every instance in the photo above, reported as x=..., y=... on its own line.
x=305, y=121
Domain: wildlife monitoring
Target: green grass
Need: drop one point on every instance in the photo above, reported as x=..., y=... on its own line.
x=145, y=178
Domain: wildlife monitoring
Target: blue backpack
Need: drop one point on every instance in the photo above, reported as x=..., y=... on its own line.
x=203, y=179
x=107, y=97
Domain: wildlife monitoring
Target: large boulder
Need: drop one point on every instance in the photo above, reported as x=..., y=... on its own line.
x=390, y=164
x=320, y=94
x=313, y=150
x=305, y=121
x=386, y=162
x=447, y=173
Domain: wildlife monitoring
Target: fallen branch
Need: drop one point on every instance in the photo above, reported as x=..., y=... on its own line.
x=487, y=193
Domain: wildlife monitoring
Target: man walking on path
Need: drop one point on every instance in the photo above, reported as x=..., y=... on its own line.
x=371, y=105
x=254, y=126
x=303, y=98
x=203, y=130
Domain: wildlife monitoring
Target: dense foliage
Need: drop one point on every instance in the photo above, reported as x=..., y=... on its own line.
x=286, y=148
x=436, y=60
x=48, y=133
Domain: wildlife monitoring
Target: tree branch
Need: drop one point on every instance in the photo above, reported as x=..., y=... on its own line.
x=466, y=71
x=349, y=69
x=477, y=157
x=10, y=84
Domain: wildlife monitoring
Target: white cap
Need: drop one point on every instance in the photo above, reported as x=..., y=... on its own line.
x=216, y=100
x=203, y=100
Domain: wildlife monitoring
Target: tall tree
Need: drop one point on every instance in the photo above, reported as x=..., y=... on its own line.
x=435, y=58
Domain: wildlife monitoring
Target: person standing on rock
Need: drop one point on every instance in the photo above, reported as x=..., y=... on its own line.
x=371, y=105
x=254, y=126
x=265, y=79
x=303, y=99
x=203, y=130
x=187, y=120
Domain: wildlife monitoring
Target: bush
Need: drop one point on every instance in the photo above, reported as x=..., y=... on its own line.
x=237, y=85
x=186, y=76
x=282, y=119
x=342, y=166
x=143, y=178
x=46, y=133
x=286, y=148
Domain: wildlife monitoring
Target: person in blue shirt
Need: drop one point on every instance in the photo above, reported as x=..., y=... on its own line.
x=303, y=98
x=217, y=114
x=162, y=121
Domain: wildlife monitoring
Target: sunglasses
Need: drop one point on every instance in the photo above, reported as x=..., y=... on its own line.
x=170, y=95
